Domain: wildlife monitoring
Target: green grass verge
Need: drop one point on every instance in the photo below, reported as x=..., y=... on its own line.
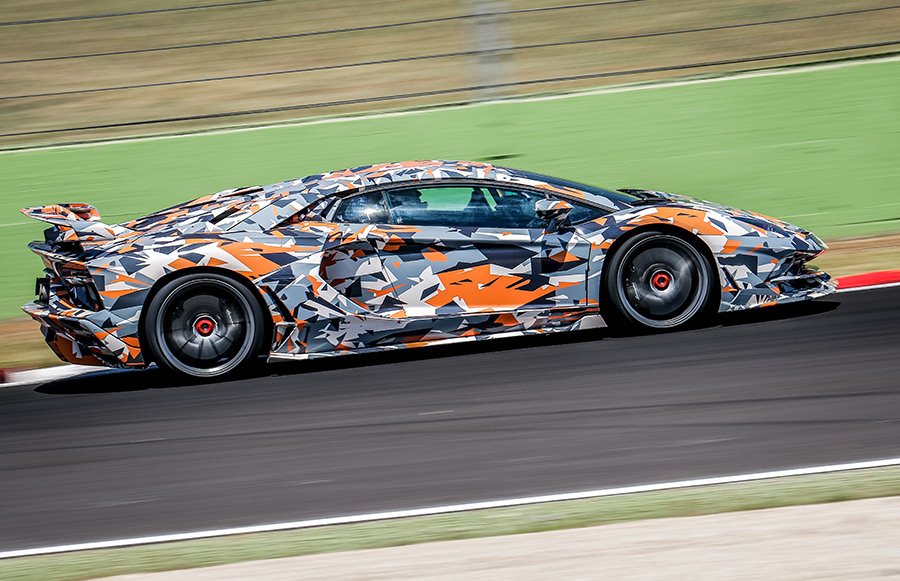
x=817, y=148
x=525, y=519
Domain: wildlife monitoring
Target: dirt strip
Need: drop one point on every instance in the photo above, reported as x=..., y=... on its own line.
x=847, y=540
x=852, y=256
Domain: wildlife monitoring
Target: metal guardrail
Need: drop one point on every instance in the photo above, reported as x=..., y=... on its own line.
x=480, y=52
x=491, y=49
x=385, y=98
x=135, y=13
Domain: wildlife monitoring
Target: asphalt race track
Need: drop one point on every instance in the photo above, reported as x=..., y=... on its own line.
x=118, y=454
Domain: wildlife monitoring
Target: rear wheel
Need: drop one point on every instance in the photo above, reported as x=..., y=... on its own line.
x=204, y=325
x=659, y=281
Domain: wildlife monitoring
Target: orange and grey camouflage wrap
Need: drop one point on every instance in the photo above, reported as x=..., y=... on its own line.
x=333, y=287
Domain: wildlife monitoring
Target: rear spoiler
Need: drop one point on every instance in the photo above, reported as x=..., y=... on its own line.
x=74, y=222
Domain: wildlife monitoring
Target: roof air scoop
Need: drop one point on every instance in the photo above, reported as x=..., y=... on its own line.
x=645, y=194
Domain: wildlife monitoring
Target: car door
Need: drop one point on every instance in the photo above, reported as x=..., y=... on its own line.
x=350, y=262
x=339, y=297
x=470, y=248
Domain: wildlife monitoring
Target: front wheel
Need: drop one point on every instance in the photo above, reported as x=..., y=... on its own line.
x=659, y=281
x=204, y=325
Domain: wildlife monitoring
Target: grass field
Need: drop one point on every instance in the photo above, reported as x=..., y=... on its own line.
x=818, y=148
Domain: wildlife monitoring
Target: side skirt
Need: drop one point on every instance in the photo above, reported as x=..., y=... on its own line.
x=592, y=321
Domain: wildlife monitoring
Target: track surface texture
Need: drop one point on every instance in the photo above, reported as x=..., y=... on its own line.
x=120, y=454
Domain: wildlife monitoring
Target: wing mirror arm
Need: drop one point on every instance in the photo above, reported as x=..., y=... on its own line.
x=555, y=212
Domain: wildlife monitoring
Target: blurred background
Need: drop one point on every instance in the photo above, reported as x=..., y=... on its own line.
x=121, y=67
x=257, y=91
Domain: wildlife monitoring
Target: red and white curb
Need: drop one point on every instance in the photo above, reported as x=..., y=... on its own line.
x=453, y=508
x=871, y=280
x=12, y=377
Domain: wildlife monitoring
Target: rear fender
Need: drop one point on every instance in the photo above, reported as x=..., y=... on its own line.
x=273, y=324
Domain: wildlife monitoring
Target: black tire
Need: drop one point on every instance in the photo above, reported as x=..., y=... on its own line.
x=204, y=325
x=657, y=280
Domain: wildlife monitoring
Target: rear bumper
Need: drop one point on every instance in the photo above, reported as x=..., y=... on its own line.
x=86, y=337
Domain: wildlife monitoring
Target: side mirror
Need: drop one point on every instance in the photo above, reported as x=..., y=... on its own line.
x=553, y=211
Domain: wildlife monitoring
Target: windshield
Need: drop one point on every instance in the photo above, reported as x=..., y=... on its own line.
x=610, y=194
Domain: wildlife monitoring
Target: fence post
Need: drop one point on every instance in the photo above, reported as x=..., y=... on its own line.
x=488, y=33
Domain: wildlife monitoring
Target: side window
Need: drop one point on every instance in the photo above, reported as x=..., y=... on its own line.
x=584, y=213
x=362, y=209
x=515, y=208
x=438, y=206
x=413, y=206
x=463, y=206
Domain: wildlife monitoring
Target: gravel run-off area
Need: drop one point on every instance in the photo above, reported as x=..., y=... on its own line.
x=856, y=540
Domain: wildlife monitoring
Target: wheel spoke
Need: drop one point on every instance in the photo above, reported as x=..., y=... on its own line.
x=224, y=341
x=180, y=348
x=656, y=305
x=684, y=269
x=213, y=346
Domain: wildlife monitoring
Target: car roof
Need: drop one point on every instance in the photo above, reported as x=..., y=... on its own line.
x=294, y=195
x=261, y=208
x=395, y=172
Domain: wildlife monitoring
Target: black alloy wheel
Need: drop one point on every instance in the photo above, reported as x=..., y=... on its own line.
x=204, y=325
x=659, y=281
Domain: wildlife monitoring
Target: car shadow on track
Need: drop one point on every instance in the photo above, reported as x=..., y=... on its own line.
x=122, y=381
x=777, y=312
x=117, y=380
x=106, y=381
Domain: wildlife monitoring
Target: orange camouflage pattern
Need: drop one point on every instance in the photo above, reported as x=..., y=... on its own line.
x=332, y=287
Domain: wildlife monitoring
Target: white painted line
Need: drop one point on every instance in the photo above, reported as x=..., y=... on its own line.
x=787, y=70
x=377, y=516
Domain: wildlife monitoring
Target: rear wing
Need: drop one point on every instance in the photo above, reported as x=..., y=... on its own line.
x=75, y=221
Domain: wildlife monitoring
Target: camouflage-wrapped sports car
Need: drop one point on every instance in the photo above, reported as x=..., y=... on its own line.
x=398, y=255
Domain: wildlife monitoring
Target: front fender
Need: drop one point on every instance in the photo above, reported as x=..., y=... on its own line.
x=748, y=257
